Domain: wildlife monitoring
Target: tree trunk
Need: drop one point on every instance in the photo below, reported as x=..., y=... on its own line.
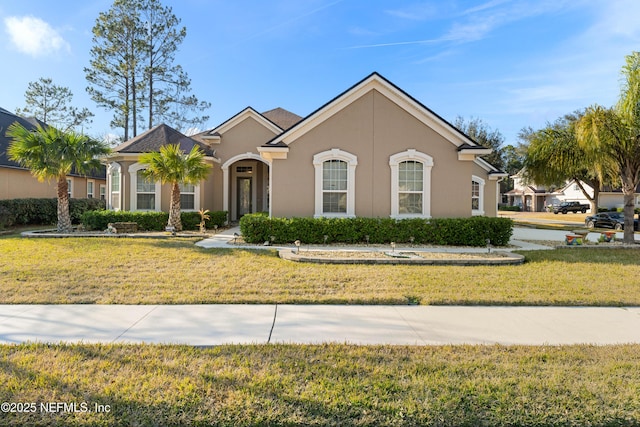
x=174, y=210
x=629, y=196
x=64, y=218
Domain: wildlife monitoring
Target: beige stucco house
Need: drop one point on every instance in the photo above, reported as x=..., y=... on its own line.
x=372, y=151
x=17, y=182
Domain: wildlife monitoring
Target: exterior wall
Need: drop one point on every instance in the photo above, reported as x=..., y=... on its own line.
x=491, y=191
x=373, y=128
x=245, y=137
x=208, y=187
x=615, y=200
x=20, y=184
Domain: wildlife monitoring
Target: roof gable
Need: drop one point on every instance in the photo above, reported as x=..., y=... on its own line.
x=245, y=114
x=375, y=82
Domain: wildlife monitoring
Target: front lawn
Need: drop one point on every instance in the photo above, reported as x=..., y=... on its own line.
x=148, y=271
x=323, y=385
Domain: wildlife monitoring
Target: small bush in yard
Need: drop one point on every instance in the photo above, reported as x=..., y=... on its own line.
x=474, y=231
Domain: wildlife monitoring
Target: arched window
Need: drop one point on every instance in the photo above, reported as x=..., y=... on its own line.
x=477, y=195
x=335, y=172
x=114, y=178
x=145, y=194
x=410, y=184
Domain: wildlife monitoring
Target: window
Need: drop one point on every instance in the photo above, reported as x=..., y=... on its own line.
x=90, y=185
x=114, y=186
x=69, y=187
x=477, y=196
x=187, y=197
x=103, y=192
x=244, y=169
x=145, y=192
x=335, y=183
x=410, y=187
x=410, y=184
x=334, y=186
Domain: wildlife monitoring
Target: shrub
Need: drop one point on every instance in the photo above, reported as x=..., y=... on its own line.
x=43, y=211
x=509, y=208
x=474, y=231
x=150, y=221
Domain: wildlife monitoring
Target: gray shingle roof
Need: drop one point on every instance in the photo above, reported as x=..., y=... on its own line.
x=157, y=137
x=281, y=117
x=7, y=119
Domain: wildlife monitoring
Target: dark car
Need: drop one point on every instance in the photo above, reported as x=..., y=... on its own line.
x=613, y=220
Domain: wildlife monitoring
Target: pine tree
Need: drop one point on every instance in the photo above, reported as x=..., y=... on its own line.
x=50, y=104
x=132, y=67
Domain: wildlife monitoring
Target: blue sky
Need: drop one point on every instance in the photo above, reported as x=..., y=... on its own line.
x=511, y=63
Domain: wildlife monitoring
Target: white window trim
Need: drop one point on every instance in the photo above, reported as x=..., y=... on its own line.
x=481, y=182
x=103, y=187
x=351, y=161
x=110, y=168
x=133, y=171
x=427, y=164
x=93, y=191
x=70, y=187
x=196, y=199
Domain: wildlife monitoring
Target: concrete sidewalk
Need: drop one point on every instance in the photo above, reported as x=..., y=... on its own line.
x=206, y=325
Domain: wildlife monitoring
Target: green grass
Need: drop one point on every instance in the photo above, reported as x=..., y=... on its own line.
x=148, y=271
x=326, y=385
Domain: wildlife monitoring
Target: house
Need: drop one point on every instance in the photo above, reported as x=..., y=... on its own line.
x=372, y=151
x=535, y=198
x=17, y=182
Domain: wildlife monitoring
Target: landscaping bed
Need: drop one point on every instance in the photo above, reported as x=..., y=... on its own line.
x=401, y=257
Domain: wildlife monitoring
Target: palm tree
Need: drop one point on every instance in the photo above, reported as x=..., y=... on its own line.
x=614, y=133
x=173, y=166
x=52, y=154
x=555, y=156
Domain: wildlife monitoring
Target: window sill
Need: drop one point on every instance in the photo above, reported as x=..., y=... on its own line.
x=334, y=215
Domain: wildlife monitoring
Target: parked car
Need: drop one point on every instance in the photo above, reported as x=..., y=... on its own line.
x=574, y=207
x=613, y=220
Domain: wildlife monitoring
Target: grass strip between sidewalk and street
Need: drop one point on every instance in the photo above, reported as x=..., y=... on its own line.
x=147, y=385
x=149, y=271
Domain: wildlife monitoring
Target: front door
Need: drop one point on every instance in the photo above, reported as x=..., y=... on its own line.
x=244, y=196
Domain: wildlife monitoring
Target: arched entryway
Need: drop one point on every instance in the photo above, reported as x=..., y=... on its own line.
x=245, y=185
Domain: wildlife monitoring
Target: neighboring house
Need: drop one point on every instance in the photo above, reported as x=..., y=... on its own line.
x=373, y=151
x=17, y=182
x=534, y=198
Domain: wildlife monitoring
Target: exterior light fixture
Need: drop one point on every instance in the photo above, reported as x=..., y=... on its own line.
x=297, y=243
x=393, y=246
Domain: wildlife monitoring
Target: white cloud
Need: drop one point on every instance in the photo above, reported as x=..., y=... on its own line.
x=415, y=12
x=34, y=36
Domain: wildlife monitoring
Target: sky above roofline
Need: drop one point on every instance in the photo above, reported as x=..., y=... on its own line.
x=511, y=63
